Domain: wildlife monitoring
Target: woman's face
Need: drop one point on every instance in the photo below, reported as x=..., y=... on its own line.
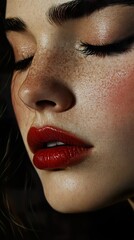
x=66, y=82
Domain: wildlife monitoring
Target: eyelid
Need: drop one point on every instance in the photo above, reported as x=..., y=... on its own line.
x=116, y=46
x=23, y=64
x=127, y=40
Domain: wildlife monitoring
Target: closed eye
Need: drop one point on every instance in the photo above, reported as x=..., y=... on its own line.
x=108, y=49
x=23, y=64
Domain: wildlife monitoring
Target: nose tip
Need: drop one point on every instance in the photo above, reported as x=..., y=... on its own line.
x=53, y=96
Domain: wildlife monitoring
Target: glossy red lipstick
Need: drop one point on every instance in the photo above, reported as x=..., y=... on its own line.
x=54, y=148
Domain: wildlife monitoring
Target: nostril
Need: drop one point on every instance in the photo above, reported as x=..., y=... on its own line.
x=45, y=103
x=48, y=95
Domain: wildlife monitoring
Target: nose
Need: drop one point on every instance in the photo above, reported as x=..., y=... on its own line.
x=39, y=93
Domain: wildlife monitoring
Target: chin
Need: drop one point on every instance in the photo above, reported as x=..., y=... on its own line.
x=65, y=201
x=74, y=191
x=73, y=203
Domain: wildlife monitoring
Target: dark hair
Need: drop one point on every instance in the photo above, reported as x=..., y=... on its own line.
x=18, y=179
x=24, y=213
x=2, y=7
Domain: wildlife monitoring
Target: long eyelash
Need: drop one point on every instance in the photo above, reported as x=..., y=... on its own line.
x=88, y=49
x=107, y=50
x=23, y=64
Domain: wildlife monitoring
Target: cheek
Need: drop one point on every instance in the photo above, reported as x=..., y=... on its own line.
x=105, y=104
x=121, y=98
x=116, y=123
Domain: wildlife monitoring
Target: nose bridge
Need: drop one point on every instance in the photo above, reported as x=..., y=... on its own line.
x=46, y=67
x=44, y=87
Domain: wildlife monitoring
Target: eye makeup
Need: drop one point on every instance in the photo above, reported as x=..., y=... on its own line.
x=111, y=49
x=90, y=33
x=87, y=49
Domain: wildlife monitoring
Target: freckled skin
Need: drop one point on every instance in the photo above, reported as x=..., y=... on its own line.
x=95, y=101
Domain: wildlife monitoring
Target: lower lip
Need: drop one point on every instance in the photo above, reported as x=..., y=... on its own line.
x=60, y=157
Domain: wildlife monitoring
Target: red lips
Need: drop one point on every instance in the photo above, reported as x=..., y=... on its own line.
x=54, y=148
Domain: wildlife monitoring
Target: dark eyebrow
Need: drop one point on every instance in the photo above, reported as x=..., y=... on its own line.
x=66, y=11
x=14, y=24
x=80, y=8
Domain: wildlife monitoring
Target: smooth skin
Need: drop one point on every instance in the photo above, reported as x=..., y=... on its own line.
x=95, y=99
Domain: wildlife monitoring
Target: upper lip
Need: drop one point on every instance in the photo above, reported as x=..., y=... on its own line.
x=38, y=138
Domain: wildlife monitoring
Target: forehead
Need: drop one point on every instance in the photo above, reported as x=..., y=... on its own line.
x=32, y=11
x=22, y=6
x=41, y=6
